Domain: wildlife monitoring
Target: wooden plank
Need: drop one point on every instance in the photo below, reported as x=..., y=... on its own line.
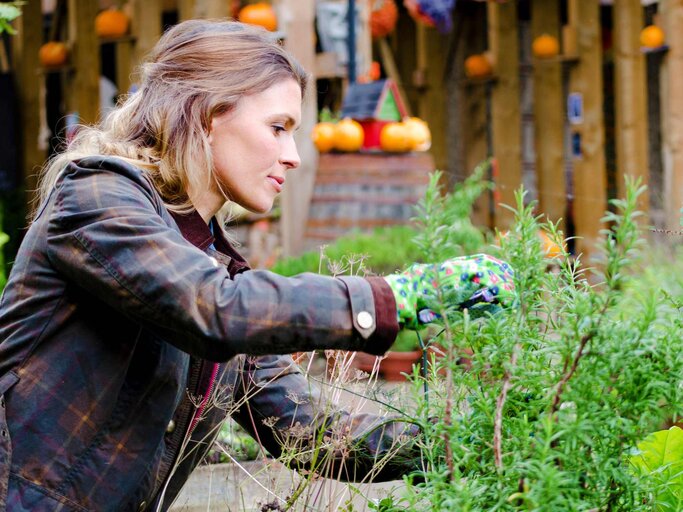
x=467, y=107
x=25, y=46
x=364, y=191
x=589, y=172
x=296, y=20
x=212, y=9
x=549, y=116
x=124, y=59
x=671, y=18
x=505, y=107
x=433, y=97
x=146, y=28
x=186, y=9
x=630, y=97
x=82, y=94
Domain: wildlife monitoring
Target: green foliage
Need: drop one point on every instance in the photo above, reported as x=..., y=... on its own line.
x=445, y=228
x=560, y=389
x=380, y=252
x=445, y=231
x=233, y=444
x=8, y=12
x=660, y=458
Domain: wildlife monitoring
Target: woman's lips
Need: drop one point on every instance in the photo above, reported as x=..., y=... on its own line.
x=277, y=182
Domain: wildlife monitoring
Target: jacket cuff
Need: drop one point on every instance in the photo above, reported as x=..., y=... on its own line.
x=385, y=317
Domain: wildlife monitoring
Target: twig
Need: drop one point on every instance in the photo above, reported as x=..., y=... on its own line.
x=500, y=404
x=572, y=370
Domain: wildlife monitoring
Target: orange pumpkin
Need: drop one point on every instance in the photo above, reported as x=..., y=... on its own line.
x=111, y=23
x=550, y=248
x=652, y=36
x=53, y=54
x=323, y=136
x=395, y=138
x=478, y=66
x=419, y=135
x=545, y=46
x=349, y=135
x=260, y=13
x=383, y=18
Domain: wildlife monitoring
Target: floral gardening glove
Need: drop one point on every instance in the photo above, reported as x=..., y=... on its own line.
x=480, y=283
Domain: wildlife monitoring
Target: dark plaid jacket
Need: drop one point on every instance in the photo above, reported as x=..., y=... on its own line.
x=113, y=323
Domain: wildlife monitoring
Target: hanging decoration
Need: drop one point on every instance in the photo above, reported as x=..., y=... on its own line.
x=433, y=13
x=383, y=18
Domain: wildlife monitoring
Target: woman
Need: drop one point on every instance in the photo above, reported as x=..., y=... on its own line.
x=126, y=309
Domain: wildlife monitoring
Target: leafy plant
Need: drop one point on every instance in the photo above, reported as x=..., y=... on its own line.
x=559, y=390
x=8, y=12
x=382, y=251
x=660, y=459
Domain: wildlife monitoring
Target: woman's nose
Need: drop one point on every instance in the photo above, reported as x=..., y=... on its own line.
x=290, y=154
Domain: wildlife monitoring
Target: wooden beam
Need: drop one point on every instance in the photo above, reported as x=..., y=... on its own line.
x=672, y=112
x=146, y=28
x=467, y=125
x=585, y=81
x=186, y=9
x=428, y=80
x=25, y=46
x=505, y=107
x=549, y=116
x=630, y=97
x=82, y=94
x=297, y=22
x=211, y=8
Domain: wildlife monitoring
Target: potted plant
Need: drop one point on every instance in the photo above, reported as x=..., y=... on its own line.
x=403, y=354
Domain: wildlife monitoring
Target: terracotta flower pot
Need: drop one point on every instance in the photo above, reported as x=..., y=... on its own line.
x=396, y=364
x=364, y=362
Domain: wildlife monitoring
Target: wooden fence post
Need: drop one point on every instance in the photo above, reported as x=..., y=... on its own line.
x=630, y=97
x=549, y=116
x=588, y=130
x=25, y=46
x=672, y=112
x=82, y=94
x=505, y=107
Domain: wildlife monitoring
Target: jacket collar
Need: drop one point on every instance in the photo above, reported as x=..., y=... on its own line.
x=197, y=232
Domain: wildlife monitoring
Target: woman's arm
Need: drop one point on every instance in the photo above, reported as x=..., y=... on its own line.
x=288, y=415
x=109, y=234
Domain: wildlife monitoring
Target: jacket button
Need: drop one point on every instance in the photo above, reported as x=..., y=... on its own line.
x=142, y=506
x=170, y=427
x=365, y=320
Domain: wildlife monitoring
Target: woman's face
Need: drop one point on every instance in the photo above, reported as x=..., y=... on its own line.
x=253, y=147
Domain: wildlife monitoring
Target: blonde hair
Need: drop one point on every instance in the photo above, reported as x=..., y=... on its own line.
x=198, y=69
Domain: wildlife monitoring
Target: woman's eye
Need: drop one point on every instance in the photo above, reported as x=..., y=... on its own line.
x=277, y=128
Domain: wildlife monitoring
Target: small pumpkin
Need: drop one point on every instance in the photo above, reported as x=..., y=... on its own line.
x=478, y=66
x=260, y=13
x=545, y=46
x=419, y=135
x=550, y=248
x=652, y=36
x=383, y=18
x=111, y=23
x=53, y=54
x=349, y=135
x=395, y=138
x=323, y=136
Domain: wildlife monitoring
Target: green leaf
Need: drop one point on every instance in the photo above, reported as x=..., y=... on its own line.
x=661, y=457
x=9, y=11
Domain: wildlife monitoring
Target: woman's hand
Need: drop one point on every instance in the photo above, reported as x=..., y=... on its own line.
x=480, y=283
